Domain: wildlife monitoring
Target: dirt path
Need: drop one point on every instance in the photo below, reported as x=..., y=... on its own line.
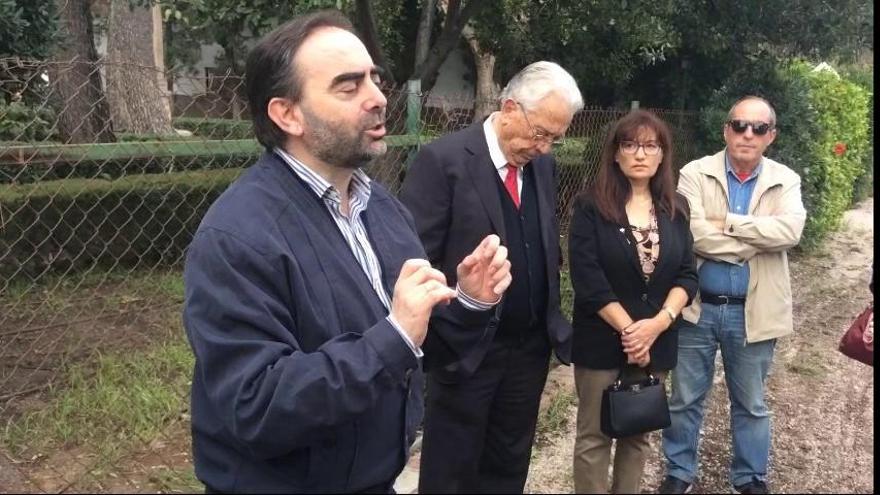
x=822, y=403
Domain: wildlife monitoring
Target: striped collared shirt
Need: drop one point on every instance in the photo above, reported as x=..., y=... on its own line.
x=352, y=227
x=355, y=233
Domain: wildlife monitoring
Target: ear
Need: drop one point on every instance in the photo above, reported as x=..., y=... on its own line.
x=508, y=112
x=286, y=115
x=772, y=136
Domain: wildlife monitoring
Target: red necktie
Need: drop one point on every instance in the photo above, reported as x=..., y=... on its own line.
x=511, y=186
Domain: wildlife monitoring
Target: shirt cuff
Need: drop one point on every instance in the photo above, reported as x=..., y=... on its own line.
x=417, y=351
x=473, y=304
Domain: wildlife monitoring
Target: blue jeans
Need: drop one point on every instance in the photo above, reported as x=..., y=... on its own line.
x=745, y=371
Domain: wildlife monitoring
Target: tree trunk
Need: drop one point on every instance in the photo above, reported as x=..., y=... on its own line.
x=367, y=23
x=135, y=82
x=77, y=92
x=487, y=90
x=423, y=35
x=456, y=19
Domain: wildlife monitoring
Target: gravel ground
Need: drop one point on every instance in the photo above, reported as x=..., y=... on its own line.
x=822, y=403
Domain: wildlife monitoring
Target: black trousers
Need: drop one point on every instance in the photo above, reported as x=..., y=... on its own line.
x=383, y=488
x=478, y=433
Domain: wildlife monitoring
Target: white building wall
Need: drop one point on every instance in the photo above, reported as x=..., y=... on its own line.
x=452, y=89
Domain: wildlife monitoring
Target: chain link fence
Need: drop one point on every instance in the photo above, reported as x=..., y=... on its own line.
x=103, y=181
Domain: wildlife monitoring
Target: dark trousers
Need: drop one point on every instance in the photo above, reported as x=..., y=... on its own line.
x=479, y=432
x=383, y=488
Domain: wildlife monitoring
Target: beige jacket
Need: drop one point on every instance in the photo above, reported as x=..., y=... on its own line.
x=774, y=223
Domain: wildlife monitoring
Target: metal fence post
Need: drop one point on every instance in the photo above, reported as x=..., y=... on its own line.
x=413, y=115
x=633, y=105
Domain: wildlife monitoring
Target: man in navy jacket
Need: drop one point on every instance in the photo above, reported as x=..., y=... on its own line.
x=307, y=292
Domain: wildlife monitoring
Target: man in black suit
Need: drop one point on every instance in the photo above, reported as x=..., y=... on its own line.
x=496, y=176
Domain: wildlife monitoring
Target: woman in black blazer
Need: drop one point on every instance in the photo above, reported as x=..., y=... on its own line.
x=632, y=268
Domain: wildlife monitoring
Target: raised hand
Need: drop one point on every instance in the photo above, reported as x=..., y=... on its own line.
x=418, y=289
x=485, y=273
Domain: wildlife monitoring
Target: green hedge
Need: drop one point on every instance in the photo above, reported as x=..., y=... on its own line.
x=114, y=169
x=216, y=128
x=21, y=122
x=863, y=75
x=819, y=115
x=77, y=224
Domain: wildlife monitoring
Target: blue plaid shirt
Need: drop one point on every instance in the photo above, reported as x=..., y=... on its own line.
x=719, y=277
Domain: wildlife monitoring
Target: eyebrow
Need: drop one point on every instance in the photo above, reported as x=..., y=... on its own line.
x=355, y=76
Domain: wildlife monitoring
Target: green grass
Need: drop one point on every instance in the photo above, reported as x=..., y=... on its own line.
x=566, y=293
x=168, y=480
x=555, y=418
x=114, y=403
x=56, y=290
x=808, y=363
x=119, y=401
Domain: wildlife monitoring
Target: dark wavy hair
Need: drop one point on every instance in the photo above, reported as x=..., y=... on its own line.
x=611, y=189
x=271, y=72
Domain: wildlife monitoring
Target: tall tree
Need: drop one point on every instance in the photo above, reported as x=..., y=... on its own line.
x=78, y=94
x=139, y=101
x=370, y=34
x=456, y=18
x=486, y=89
x=423, y=35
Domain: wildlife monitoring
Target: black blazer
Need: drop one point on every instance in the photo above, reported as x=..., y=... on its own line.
x=451, y=190
x=605, y=268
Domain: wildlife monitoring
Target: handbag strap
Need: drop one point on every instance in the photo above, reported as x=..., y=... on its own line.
x=619, y=380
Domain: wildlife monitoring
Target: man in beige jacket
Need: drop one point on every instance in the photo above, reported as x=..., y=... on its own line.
x=746, y=211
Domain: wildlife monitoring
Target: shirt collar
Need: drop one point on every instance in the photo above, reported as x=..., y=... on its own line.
x=359, y=186
x=729, y=168
x=495, y=152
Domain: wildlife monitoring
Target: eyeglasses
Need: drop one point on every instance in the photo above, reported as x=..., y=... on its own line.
x=632, y=147
x=538, y=136
x=758, y=128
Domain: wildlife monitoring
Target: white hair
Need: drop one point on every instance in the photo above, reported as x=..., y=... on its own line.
x=537, y=80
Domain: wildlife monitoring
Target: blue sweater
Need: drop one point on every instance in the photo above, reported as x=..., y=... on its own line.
x=300, y=383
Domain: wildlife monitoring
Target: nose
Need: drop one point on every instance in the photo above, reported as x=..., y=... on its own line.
x=375, y=97
x=640, y=152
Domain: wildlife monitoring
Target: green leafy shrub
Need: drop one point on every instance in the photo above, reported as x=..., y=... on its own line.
x=863, y=76
x=822, y=133
x=20, y=122
x=73, y=225
x=116, y=168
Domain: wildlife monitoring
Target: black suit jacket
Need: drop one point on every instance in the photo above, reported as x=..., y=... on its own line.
x=605, y=268
x=451, y=190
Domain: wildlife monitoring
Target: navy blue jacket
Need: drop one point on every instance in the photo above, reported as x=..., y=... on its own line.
x=300, y=383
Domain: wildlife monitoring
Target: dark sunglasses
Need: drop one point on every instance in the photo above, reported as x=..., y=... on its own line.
x=758, y=128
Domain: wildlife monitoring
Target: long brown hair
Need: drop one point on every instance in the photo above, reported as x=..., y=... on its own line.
x=612, y=189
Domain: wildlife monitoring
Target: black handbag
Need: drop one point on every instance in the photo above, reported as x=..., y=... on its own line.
x=634, y=408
